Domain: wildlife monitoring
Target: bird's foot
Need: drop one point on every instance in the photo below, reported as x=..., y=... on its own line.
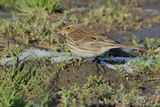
x=93, y=59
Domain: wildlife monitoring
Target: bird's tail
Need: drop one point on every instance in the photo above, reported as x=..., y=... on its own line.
x=131, y=47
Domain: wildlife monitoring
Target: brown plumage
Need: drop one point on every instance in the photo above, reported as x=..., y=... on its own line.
x=87, y=43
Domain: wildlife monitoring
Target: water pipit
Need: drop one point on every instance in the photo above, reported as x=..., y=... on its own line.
x=84, y=42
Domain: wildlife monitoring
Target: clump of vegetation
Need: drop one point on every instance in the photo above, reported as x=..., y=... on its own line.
x=7, y=3
x=97, y=92
x=27, y=84
x=39, y=5
x=30, y=6
x=29, y=28
x=114, y=15
x=149, y=60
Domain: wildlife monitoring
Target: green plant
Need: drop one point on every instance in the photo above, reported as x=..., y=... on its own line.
x=83, y=96
x=35, y=5
x=30, y=6
x=8, y=3
x=31, y=28
x=150, y=42
x=134, y=41
x=9, y=96
x=25, y=85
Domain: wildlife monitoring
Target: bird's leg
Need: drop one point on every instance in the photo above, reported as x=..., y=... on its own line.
x=96, y=59
x=92, y=59
x=100, y=68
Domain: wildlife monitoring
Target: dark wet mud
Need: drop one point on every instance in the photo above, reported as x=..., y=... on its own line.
x=124, y=37
x=78, y=74
x=152, y=4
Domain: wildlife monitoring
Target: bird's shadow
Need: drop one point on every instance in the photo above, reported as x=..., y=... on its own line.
x=117, y=52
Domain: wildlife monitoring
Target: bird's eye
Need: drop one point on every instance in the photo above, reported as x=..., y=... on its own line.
x=68, y=27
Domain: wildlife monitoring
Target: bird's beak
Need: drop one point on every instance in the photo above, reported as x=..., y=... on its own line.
x=62, y=32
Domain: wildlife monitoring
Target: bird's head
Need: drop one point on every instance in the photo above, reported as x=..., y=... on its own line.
x=68, y=29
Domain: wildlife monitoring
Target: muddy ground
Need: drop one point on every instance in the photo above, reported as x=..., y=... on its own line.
x=78, y=74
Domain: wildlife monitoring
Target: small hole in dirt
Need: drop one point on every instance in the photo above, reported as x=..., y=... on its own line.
x=142, y=88
x=68, y=80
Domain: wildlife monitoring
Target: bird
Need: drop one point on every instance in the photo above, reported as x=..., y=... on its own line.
x=84, y=42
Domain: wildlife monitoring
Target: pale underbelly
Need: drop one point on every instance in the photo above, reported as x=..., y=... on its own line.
x=86, y=51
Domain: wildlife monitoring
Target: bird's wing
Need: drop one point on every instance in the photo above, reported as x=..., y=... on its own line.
x=84, y=36
x=98, y=40
x=75, y=36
